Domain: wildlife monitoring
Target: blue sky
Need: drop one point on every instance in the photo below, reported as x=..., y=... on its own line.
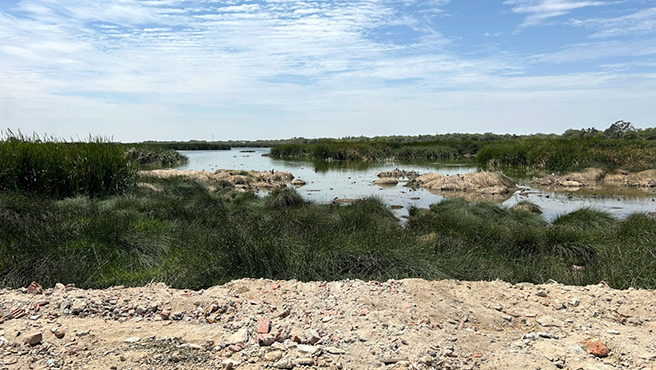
x=240, y=69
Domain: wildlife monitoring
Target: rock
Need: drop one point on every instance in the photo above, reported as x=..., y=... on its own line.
x=190, y=346
x=335, y=350
x=304, y=362
x=314, y=336
x=389, y=361
x=546, y=335
x=597, y=348
x=284, y=364
x=82, y=333
x=549, y=322
x=241, y=336
x=571, y=184
x=78, y=306
x=60, y=333
x=263, y=325
x=273, y=356
x=60, y=286
x=131, y=340
x=387, y=181
x=298, y=182
x=33, y=338
x=265, y=339
x=297, y=335
x=308, y=349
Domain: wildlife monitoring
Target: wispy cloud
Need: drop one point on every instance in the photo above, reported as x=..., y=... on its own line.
x=638, y=23
x=272, y=68
x=539, y=11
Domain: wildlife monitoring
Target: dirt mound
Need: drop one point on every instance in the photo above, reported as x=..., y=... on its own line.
x=479, y=182
x=350, y=324
x=242, y=180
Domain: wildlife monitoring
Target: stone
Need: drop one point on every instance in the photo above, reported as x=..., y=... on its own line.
x=78, y=306
x=335, y=350
x=60, y=333
x=304, y=362
x=263, y=325
x=131, y=340
x=33, y=338
x=284, y=364
x=241, y=336
x=190, y=346
x=549, y=322
x=273, y=356
x=308, y=349
x=265, y=339
x=597, y=348
x=314, y=336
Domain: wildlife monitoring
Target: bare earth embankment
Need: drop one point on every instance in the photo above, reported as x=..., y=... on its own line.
x=337, y=325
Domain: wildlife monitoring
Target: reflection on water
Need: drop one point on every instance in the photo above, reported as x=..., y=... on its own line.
x=355, y=179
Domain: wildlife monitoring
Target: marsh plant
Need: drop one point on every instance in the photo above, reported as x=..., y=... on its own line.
x=190, y=235
x=56, y=168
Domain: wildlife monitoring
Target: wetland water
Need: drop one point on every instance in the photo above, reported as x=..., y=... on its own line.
x=347, y=180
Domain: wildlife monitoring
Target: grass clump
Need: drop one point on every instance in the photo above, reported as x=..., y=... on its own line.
x=150, y=156
x=284, y=198
x=58, y=169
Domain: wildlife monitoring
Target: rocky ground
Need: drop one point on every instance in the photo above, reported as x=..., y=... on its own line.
x=352, y=324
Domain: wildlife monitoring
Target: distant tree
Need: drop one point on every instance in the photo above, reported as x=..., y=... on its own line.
x=618, y=129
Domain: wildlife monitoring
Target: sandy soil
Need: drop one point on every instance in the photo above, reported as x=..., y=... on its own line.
x=348, y=324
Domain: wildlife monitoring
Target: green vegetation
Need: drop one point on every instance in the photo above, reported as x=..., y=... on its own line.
x=619, y=146
x=569, y=154
x=375, y=151
x=60, y=169
x=148, y=156
x=185, y=145
x=179, y=232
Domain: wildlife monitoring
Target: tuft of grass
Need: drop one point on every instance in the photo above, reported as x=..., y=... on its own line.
x=527, y=206
x=284, y=198
x=586, y=218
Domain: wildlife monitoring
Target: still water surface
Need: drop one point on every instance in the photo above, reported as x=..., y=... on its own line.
x=327, y=181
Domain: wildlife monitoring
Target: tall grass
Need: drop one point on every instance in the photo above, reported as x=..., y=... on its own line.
x=55, y=168
x=376, y=151
x=569, y=154
x=192, y=237
x=154, y=156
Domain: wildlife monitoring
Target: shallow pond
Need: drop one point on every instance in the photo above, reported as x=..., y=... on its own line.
x=347, y=180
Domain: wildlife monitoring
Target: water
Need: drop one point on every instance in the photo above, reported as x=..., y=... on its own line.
x=349, y=180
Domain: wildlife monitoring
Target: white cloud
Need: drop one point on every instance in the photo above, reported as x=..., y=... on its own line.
x=641, y=22
x=539, y=11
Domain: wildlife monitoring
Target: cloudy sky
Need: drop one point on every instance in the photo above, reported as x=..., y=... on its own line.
x=249, y=69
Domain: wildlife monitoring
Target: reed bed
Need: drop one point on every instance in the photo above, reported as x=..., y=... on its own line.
x=569, y=154
x=152, y=156
x=55, y=168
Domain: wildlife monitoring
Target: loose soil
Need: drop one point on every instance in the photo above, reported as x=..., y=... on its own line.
x=351, y=324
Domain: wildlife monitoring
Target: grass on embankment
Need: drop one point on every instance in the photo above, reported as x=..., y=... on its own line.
x=190, y=237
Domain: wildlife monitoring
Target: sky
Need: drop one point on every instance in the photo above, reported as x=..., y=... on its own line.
x=136, y=70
